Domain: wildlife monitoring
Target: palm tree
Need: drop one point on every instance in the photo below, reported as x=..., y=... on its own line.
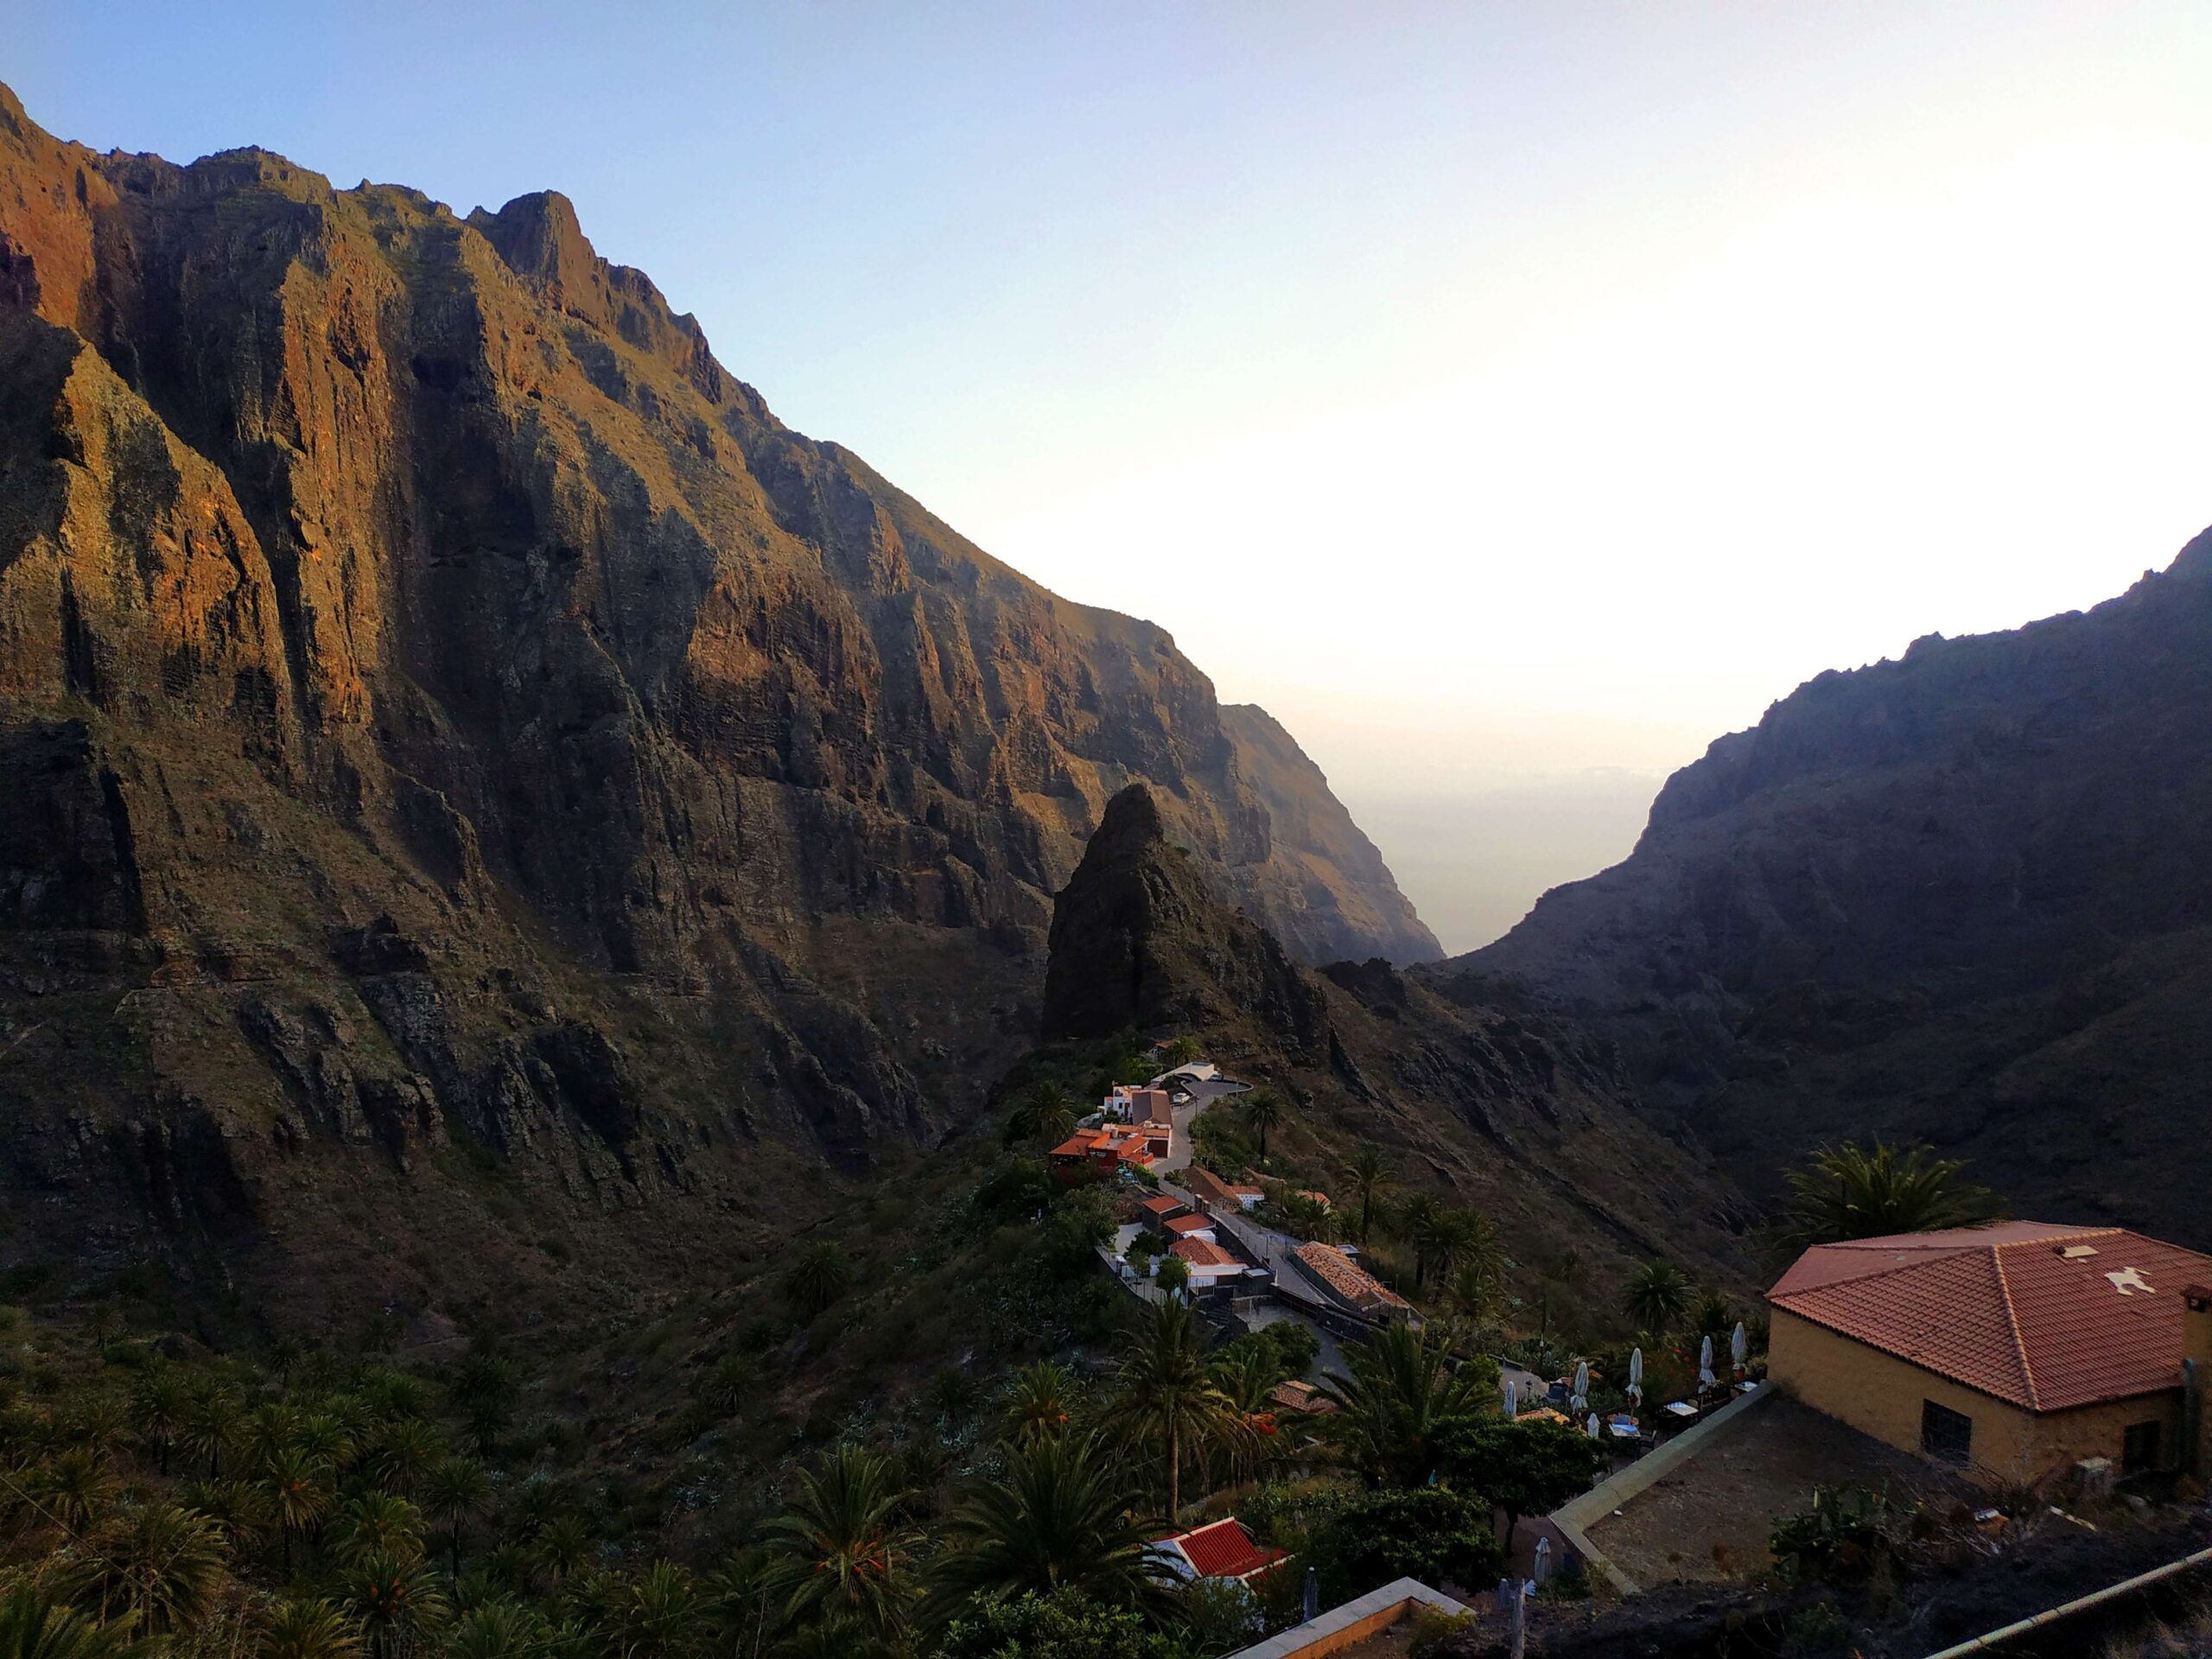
x=1365, y=1178
x=325, y=1437
x=658, y=1615
x=1402, y=1397
x=496, y=1629
x=1045, y=1112
x=394, y=1600
x=1171, y=1394
x=560, y=1550
x=724, y=1385
x=1060, y=1517
x=1477, y=1286
x=73, y=1488
x=1039, y=1402
x=1417, y=1221
x=379, y=1523
x=841, y=1549
x=456, y=1490
x=1657, y=1296
x=298, y=1487
x=388, y=1395
x=210, y=1427
x=1248, y=1378
x=1263, y=1110
x=1847, y=1192
x=267, y=1430
x=154, y=1563
x=158, y=1405
x=309, y=1630
x=33, y=1626
x=1444, y=1239
x=819, y=1274
x=404, y=1452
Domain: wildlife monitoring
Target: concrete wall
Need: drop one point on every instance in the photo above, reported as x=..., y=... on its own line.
x=1881, y=1395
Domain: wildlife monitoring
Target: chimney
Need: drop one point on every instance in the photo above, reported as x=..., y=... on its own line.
x=2196, y=1378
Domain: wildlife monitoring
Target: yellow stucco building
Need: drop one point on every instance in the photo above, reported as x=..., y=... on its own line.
x=2010, y=1351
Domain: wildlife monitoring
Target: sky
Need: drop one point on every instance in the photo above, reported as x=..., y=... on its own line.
x=1512, y=398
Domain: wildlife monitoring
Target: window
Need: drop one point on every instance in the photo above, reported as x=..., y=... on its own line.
x=2139, y=1449
x=1945, y=1435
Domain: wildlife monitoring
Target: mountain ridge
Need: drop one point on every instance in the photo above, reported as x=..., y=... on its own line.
x=1960, y=896
x=465, y=724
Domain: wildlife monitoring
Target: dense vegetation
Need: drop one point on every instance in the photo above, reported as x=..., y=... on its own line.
x=941, y=1430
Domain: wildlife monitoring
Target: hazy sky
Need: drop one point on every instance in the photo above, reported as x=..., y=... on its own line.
x=1510, y=397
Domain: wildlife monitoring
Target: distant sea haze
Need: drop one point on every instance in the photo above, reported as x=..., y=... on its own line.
x=1476, y=853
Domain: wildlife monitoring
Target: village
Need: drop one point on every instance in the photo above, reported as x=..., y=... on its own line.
x=2013, y=1378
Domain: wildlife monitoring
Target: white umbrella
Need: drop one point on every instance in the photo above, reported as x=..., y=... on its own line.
x=1704, y=1362
x=1512, y=1403
x=1581, y=1384
x=1636, y=1375
x=1543, y=1559
x=1739, y=1345
x=1590, y=1428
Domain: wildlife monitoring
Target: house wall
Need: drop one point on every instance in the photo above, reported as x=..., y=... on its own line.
x=1880, y=1395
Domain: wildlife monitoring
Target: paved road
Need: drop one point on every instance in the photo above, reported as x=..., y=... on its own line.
x=1203, y=1095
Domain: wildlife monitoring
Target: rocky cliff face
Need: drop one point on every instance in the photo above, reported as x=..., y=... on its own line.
x=448, y=718
x=1966, y=896
x=1513, y=1111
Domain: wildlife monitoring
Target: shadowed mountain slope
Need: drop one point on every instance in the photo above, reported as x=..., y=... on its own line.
x=1966, y=896
x=461, y=746
x=1516, y=1112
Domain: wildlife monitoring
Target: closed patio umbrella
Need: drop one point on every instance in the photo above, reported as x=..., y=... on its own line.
x=1738, y=1346
x=1705, y=1377
x=1593, y=1428
x=1636, y=1375
x=1581, y=1384
x=1512, y=1403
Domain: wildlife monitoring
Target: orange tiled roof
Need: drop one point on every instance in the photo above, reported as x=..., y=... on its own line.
x=1188, y=1224
x=1077, y=1144
x=1224, y=1550
x=1202, y=1253
x=1352, y=1282
x=2045, y=1316
x=1164, y=1205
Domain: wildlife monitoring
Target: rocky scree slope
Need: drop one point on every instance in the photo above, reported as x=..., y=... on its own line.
x=476, y=779
x=1514, y=1112
x=1966, y=896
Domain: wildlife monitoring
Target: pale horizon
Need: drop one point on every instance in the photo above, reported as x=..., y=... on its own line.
x=1511, y=402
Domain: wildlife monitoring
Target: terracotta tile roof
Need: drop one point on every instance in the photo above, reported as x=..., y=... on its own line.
x=1077, y=1145
x=1354, y=1283
x=1294, y=1395
x=1164, y=1205
x=1223, y=1550
x=1202, y=1253
x=1207, y=1186
x=1186, y=1225
x=2045, y=1316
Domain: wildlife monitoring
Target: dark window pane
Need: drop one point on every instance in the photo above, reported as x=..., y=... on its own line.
x=1945, y=1435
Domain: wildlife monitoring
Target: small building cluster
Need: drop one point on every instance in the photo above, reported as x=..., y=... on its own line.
x=1108, y=1149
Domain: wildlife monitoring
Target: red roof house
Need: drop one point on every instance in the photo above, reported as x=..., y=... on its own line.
x=2010, y=1350
x=1223, y=1550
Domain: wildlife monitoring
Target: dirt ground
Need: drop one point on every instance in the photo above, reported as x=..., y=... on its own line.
x=1708, y=1522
